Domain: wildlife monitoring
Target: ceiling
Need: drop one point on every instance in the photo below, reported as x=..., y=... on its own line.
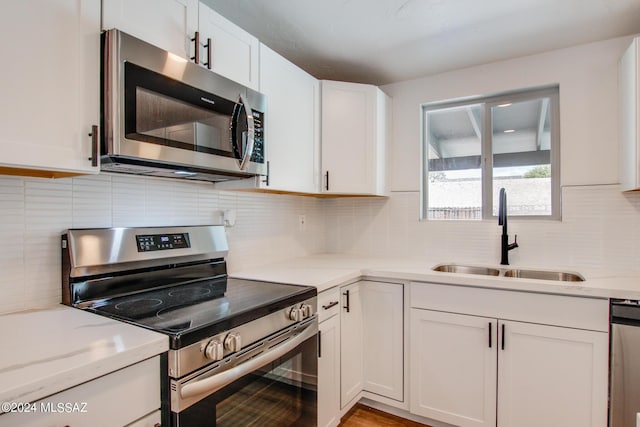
x=385, y=41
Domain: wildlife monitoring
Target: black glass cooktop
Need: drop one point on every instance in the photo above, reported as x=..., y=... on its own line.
x=189, y=313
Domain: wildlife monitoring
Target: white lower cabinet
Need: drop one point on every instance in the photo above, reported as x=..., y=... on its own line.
x=128, y=397
x=350, y=344
x=371, y=341
x=469, y=368
x=453, y=368
x=383, y=339
x=329, y=373
x=552, y=376
x=361, y=347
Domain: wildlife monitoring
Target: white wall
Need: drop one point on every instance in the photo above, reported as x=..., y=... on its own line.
x=587, y=76
x=34, y=212
x=600, y=226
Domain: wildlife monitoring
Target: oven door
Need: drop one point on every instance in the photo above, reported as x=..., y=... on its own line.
x=271, y=383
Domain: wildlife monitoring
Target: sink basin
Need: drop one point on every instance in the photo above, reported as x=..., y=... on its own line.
x=561, y=276
x=467, y=269
x=544, y=275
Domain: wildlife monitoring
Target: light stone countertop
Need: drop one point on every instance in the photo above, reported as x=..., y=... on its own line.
x=328, y=270
x=50, y=350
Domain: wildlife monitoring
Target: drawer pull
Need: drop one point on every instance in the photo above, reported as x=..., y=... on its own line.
x=331, y=304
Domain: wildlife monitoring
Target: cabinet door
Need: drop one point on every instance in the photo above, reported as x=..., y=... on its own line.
x=116, y=399
x=353, y=138
x=329, y=373
x=552, y=376
x=350, y=344
x=168, y=24
x=383, y=338
x=453, y=368
x=50, y=84
x=291, y=124
x=234, y=52
x=629, y=110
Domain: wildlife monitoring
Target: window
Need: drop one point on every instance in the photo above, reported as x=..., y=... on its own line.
x=472, y=148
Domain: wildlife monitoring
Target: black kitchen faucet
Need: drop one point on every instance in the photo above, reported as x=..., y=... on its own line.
x=502, y=220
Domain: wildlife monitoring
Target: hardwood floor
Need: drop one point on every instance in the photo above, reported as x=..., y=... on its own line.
x=365, y=416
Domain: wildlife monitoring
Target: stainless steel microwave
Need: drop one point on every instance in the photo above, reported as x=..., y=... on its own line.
x=163, y=115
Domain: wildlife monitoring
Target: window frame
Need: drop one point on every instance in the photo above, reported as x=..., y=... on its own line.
x=487, y=103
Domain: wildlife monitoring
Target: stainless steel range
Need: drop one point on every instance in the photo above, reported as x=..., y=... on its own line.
x=241, y=352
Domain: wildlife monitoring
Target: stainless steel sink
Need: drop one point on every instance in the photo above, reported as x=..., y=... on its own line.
x=562, y=276
x=466, y=269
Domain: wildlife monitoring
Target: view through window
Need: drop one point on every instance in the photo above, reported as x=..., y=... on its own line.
x=474, y=148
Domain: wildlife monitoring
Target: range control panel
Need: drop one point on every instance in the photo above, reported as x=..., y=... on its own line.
x=161, y=242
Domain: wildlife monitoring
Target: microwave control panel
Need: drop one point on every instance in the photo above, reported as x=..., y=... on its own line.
x=162, y=242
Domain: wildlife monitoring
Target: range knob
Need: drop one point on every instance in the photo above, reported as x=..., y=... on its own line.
x=295, y=314
x=307, y=310
x=233, y=342
x=214, y=350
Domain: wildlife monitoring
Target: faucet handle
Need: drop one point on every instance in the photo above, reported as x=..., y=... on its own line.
x=515, y=242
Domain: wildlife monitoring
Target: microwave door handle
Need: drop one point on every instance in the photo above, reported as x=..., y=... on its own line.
x=250, y=134
x=218, y=381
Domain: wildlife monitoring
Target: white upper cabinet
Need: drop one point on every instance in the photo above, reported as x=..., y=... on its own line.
x=355, y=129
x=50, y=86
x=291, y=124
x=234, y=52
x=629, y=98
x=168, y=24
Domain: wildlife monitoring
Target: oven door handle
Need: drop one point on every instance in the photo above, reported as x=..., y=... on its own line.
x=218, y=381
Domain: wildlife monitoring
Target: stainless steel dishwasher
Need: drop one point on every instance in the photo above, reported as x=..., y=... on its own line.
x=624, y=381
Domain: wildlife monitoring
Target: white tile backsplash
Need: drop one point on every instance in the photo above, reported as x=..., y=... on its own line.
x=600, y=226
x=34, y=212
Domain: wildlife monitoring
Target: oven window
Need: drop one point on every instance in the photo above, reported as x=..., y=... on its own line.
x=163, y=111
x=281, y=394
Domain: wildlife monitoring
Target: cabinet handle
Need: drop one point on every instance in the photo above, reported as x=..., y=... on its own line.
x=346, y=294
x=208, y=46
x=503, y=336
x=326, y=181
x=490, y=333
x=196, y=40
x=331, y=304
x=94, y=145
x=319, y=344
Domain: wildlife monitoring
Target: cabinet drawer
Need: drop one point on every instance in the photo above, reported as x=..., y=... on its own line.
x=115, y=399
x=558, y=310
x=328, y=303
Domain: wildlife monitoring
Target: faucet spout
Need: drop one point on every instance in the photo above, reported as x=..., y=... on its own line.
x=502, y=220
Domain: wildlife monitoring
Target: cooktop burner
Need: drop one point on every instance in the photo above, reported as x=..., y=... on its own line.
x=188, y=313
